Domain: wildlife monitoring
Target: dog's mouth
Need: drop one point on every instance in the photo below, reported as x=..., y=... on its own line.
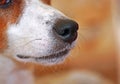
x=52, y=56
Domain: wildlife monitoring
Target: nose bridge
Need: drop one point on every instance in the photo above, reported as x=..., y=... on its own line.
x=38, y=5
x=44, y=11
x=41, y=13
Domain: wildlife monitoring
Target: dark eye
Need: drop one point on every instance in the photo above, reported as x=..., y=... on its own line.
x=4, y=3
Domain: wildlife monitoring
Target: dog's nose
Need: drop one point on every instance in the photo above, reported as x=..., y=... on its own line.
x=66, y=30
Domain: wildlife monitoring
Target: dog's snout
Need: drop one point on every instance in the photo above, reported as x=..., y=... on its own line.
x=66, y=30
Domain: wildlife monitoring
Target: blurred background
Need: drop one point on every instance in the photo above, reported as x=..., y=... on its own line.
x=94, y=58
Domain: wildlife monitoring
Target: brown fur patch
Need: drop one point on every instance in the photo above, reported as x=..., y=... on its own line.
x=47, y=2
x=8, y=15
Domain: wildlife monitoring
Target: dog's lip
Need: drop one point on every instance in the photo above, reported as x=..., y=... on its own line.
x=23, y=57
x=52, y=56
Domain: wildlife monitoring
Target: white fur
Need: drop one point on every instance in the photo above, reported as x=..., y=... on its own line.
x=6, y=67
x=10, y=73
x=20, y=77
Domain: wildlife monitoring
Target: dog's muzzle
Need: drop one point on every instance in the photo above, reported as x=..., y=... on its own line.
x=65, y=32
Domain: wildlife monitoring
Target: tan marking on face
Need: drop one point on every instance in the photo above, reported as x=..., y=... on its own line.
x=9, y=15
x=47, y=2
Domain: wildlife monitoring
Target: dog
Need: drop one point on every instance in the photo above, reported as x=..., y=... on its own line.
x=31, y=31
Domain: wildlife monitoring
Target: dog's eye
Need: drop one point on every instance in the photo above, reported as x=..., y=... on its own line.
x=4, y=3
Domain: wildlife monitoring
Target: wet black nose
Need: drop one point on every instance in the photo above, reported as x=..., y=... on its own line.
x=66, y=30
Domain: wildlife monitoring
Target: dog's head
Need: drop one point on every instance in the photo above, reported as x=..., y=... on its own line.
x=32, y=31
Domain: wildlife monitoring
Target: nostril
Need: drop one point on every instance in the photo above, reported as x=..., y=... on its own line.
x=66, y=30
